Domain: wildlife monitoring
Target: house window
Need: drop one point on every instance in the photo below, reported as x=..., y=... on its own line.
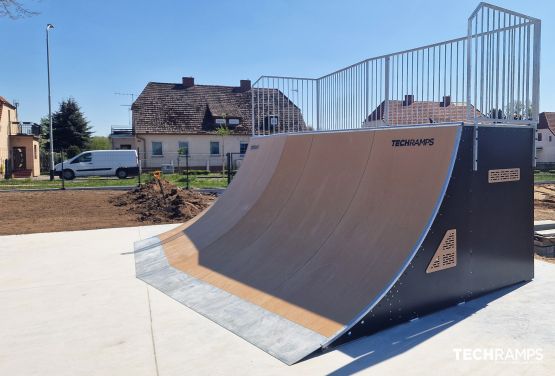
x=243, y=146
x=125, y=147
x=539, y=136
x=183, y=148
x=220, y=121
x=157, y=148
x=271, y=122
x=214, y=148
x=233, y=122
x=35, y=151
x=549, y=138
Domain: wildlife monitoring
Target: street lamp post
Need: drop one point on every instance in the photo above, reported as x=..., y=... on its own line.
x=48, y=28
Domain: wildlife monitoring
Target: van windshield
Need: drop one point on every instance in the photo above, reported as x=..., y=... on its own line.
x=87, y=157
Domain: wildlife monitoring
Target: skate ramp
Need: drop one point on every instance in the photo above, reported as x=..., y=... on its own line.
x=310, y=235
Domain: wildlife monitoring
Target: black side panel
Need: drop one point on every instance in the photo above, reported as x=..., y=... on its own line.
x=494, y=224
x=503, y=227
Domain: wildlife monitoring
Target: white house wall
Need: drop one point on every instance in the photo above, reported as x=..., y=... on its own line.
x=199, y=149
x=118, y=141
x=545, y=149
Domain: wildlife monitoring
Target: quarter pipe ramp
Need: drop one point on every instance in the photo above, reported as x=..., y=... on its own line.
x=325, y=237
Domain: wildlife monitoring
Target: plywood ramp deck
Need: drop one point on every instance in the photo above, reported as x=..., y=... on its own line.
x=315, y=233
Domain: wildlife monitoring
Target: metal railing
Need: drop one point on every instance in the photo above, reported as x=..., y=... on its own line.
x=489, y=76
x=284, y=104
x=121, y=131
x=25, y=128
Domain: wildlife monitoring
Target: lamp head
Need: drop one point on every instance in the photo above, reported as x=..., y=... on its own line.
x=49, y=26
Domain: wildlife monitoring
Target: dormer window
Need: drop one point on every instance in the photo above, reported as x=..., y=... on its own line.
x=234, y=122
x=220, y=121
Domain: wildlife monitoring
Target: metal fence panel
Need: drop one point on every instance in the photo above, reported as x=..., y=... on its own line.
x=489, y=76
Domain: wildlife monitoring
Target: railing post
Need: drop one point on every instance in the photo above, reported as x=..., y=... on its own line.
x=252, y=108
x=228, y=168
x=536, y=83
x=469, y=95
x=317, y=104
x=469, y=69
x=366, y=91
x=386, y=92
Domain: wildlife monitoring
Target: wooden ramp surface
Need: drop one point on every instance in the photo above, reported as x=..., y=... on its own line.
x=311, y=233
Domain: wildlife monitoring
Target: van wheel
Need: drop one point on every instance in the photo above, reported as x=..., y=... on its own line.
x=68, y=174
x=121, y=173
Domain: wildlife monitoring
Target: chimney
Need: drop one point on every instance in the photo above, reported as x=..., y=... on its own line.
x=245, y=85
x=188, y=81
x=446, y=101
x=409, y=99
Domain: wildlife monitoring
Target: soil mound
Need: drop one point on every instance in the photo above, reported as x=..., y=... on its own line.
x=160, y=201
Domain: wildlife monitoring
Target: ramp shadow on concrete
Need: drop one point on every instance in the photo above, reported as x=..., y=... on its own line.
x=370, y=351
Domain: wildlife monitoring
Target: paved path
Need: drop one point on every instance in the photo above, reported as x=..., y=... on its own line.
x=70, y=305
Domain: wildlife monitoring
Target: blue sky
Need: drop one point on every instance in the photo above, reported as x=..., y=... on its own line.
x=102, y=47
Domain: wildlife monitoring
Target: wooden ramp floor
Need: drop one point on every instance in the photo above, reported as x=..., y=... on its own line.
x=311, y=233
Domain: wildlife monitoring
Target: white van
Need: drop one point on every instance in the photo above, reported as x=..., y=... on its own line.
x=120, y=163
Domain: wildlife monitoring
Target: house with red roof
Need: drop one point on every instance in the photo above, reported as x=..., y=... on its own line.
x=171, y=120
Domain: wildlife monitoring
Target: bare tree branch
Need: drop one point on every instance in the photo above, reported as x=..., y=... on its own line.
x=14, y=9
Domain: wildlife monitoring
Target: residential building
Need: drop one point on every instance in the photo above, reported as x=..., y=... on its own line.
x=171, y=120
x=409, y=111
x=19, y=144
x=545, y=141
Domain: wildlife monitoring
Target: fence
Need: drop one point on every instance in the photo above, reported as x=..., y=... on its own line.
x=184, y=170
x=489, y=76
x=177, y=161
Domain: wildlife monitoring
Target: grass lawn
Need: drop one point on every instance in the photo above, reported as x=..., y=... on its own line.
x=544, y=176
x=195, y=182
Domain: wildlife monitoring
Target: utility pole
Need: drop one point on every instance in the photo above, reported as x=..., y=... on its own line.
x=48, y=28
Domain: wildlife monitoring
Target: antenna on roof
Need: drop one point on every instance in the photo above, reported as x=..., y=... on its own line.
x=128, y=105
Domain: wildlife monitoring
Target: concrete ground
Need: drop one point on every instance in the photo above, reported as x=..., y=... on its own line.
x=70, y=305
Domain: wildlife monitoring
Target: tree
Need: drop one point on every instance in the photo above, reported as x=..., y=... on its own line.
x=72, y=151
x=70, y=126
x=99, y=143
x=14, y=10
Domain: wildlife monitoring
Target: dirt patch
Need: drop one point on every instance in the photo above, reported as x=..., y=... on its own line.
x=30, y=212
x=544, y=201
x=71, y=210
x=162, y=202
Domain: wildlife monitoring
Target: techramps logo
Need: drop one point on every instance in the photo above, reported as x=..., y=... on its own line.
x=498, y=354
x=413, y=142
